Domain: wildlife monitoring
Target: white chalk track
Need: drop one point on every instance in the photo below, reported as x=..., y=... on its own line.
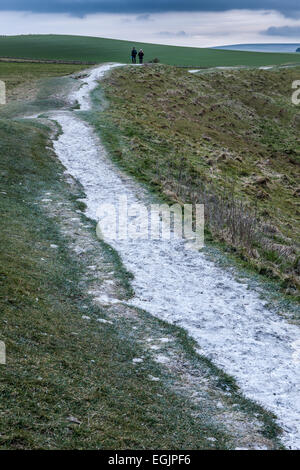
x=228, y=320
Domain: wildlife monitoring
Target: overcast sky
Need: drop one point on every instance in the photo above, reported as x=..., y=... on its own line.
x=189, y=22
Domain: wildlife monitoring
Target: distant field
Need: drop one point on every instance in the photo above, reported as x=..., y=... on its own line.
x=276, y=47
x=104, y=50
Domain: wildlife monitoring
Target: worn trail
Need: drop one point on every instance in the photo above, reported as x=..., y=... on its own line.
x=228, y=320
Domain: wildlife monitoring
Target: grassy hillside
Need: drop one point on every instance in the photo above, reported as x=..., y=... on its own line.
x=70, y=381
x=110, y=50
x=226, y=139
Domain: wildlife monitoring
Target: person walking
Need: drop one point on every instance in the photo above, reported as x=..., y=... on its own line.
x=133, y=55
x=141, y=56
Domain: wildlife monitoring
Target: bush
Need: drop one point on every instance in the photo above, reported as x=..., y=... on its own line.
x=154, y=61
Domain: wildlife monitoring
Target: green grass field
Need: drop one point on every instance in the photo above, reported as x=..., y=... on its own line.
x=103, y=50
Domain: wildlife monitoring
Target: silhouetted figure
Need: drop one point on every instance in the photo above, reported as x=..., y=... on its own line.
x=133, y=55
x=141, y=56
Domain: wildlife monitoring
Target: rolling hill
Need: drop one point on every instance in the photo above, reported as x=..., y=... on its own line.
x=269, y=47
x=71, y=48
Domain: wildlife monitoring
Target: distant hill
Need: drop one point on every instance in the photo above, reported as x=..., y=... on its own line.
x=287, y=48
x=110, y=50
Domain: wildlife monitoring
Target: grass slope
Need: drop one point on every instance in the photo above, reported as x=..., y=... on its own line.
x=111, y=50
x=226, y=139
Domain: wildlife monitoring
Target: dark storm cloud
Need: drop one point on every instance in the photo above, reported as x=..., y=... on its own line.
x=83, y=7
x=288, y=31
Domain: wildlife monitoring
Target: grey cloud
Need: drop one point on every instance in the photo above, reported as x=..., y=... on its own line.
x=288, y=31
x=170, y=34
x=144, y=17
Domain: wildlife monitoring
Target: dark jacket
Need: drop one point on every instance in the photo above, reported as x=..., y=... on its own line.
x=134, y=53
